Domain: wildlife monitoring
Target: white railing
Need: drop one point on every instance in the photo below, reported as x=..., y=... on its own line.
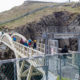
x=41, y=47
x=21, y=50
x=27, y=51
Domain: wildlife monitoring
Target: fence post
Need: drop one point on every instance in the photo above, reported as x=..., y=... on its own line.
x=46, y=60
x=15, y=70
x=79, y=54
x=60, y=69
x=40, y=46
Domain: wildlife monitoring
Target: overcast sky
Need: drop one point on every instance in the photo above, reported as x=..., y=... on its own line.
x=8, y=4
x=58, y=0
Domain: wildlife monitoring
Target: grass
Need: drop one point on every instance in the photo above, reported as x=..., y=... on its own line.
x=38, y=15
x=58, y=78
x=20, y=10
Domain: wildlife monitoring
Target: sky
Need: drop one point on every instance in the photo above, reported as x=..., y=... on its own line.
x=57, y=0
x=8, y=4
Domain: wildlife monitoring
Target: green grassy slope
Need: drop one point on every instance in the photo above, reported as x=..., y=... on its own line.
x=25, y=8
x=20, y=10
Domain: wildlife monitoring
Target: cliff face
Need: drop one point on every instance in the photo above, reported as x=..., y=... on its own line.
x=57, y=22
x=62, y=21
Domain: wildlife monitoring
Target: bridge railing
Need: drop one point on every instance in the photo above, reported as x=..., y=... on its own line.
x=5, y=39
x=41, y=47
x=27, y=51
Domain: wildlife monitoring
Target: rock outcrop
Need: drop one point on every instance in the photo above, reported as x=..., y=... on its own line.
x=56, y=22
x=62, y=21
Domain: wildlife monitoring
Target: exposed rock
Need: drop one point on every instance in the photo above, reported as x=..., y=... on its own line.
x=76, y=5
x=6, y=53
x=51, y=23
x=62, y=21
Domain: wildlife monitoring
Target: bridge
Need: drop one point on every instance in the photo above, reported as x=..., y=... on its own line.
x=22, y=51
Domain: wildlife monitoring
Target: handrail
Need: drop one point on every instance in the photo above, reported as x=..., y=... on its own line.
x=19, y=35
x=27, y=51
x=41, y=47
x=24, y=49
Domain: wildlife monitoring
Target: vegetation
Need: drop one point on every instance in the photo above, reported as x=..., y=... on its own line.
x=58, y=78
x=20, y=10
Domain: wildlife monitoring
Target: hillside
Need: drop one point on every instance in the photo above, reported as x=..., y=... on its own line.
x=21, y=10
x=33, y=11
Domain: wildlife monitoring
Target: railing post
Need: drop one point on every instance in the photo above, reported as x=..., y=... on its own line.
x=28, y=52
x=41, y=47
x=32, y=53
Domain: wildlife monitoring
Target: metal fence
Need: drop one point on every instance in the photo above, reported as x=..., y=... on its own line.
x=7, y=71
x=55, y=67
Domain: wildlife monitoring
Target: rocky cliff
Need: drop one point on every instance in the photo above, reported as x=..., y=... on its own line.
x=62, y=21
x=53, y=23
